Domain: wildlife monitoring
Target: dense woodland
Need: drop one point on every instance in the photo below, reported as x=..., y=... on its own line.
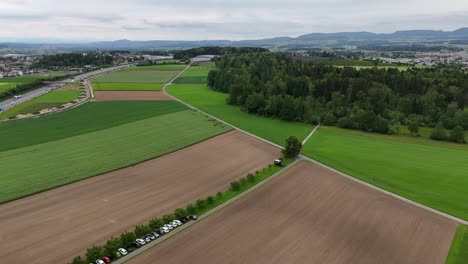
x=190, y=53
x=373, y=100
x=74, y=60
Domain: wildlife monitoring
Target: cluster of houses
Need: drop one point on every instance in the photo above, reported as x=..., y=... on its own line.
x=14, y=66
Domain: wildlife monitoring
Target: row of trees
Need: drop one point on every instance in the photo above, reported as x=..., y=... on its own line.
x=373, y=100
x=190, y=53
x=74, y=60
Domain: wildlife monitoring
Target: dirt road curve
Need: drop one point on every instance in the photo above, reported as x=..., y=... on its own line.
x=311, y=215
x=54, y=226
x=129, y=95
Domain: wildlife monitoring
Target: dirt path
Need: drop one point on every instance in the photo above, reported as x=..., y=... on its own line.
x=312, y=215
x=54, y=226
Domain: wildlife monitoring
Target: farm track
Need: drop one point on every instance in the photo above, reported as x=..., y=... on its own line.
x=312, y=215
x=54, y=226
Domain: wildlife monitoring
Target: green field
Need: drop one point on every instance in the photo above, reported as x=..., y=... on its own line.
x=459, y=251
x=87, y=118
x=194, y=75
x=48, y=100
x=214, y=103
x=40, y=167
x=33, y=77
x=163, y=67
x=431, y=174
x=7, y=86
x=102, y=86
x=134, y=77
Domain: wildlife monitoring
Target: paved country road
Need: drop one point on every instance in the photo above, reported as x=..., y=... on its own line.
x=9, y=103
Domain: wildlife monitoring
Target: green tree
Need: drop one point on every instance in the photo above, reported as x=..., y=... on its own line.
x=141, y=230
x=191, y=209
x=457, y=135
x=439, y=133
x=250, y=177
x=235, y=186
x=210, y=200
x=78, y=260
x=293, y=147
x=94, y=253
x=179, y=213
x=200, y=204
x=127, y=238
x=111, y=246
x=167, y=218
x=219, y=195
x=413, y=127
x=155, y=223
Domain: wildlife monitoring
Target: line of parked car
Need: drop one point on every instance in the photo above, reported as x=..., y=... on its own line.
x=139, y=242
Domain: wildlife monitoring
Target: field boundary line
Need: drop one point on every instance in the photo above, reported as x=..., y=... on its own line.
x=435, y=211
x=205, y=215
x=311, y=134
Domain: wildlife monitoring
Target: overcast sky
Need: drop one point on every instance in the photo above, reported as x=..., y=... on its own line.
x=85, y=20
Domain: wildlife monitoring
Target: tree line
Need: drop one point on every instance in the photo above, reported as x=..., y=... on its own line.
x=74, y=60
x=190, y=53
x=372, y=100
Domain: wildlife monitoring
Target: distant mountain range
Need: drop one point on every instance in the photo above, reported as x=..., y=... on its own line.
x=314, y=40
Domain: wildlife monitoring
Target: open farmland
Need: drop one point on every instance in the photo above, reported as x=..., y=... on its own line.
x=312, y=215
x=130, y=95
x=161, y=67
x=431, y=174
x=136, y=77
x=40, y=167
x=65, y=221
x=214, y=103
x=102, y=86
x=87, y=118
x=194, y=75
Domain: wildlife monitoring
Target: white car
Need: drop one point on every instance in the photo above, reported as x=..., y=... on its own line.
x=147, y=239
x=140, y=241
x=178, y=222
x=123, y=251
x=100, y=261
x=168, y=226
x=165, y=229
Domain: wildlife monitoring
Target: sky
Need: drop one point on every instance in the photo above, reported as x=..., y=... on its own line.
x=91, y=20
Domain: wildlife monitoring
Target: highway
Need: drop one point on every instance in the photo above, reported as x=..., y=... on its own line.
x=9, y=103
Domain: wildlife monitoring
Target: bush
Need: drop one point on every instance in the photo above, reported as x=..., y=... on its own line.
x=243, y=181
x=219, y=195
x=167, y=218
x=457, y=135
x=346, y=122
x=126, y=239
x=200, y=204
x=293, y=147
x=111, y=246
x=250, y=177
x=439, y=133
x=141, y=230
x=179, y=213
x=235, y=186
x=94, y=253
x=210, y=199
x=190, y=209
x=78, y=260
x=155, y=223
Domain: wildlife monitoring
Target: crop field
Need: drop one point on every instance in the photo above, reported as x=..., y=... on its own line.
x=310, y=213
x=164, y=67
x=130, y=95
x=87, y=118
x=458, y=253
x=431, y=174
x=31, y=78
x=55, y=226
x=39, y=167
x=194, y=75
x=49, y=100
x=136, y=77
x=6, y=86
x=102, y=86
x=214, y=103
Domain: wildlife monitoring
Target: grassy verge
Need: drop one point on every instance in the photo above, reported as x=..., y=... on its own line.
x=430, y=174
x=102, y=86
x=215, y=104
x=200, y=207
x=48, y=100
x=458, y=253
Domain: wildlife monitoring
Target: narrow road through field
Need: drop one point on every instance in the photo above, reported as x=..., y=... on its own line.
x=461, y=221
x=310, y=135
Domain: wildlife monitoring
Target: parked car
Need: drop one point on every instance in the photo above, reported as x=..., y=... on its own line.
x=193, y=217
x=136, y=244
x=279, y=162
x=155, y=234
x=184, y=219
x=99, y=261
x=170, y=227
x=151, y=236
x=179, y=223
x=106, y=259
x=141, y=241
x=116, y=255
x=146, y=239
x=123, y=251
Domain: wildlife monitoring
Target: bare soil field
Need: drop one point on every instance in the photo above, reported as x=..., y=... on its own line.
x=55, y=226
x=312, y=215
x=130, y=96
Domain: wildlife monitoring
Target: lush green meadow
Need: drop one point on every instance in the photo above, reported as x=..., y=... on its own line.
x=135, y=77
x=214, y=103
x=162, y=67
x=459, y=251
x=40, y=167
x=194, y=75
x=431, y=174
x=48, y=100
x=87, y=118
x=32, y=77
x=103, y=86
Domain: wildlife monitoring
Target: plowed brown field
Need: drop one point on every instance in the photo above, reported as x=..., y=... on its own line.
x=54, y=226
x=312, y=215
